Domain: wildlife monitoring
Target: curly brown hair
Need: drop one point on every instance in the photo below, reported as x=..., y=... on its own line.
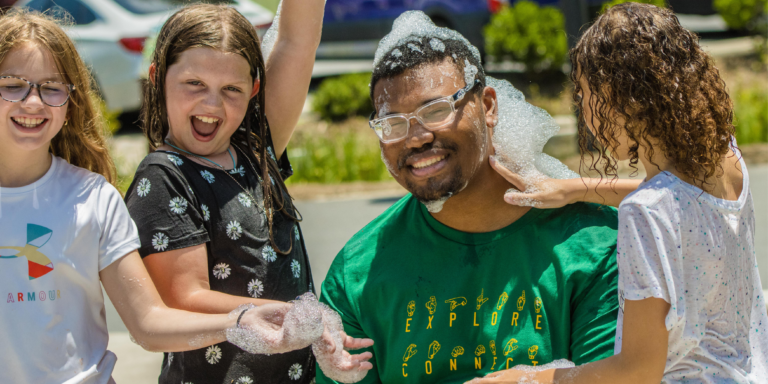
x=222, y=28
x=81, y=141
x=643, y=67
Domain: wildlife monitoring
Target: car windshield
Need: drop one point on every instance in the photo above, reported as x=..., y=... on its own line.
x=143, y=7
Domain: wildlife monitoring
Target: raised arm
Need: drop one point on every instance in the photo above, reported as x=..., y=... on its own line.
x=289, y=66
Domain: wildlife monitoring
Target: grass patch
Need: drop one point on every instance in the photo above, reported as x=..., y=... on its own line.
x=751, y=115
x=336, y=153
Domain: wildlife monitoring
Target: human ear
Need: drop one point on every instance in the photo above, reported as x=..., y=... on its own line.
x=490, y=107
x=152, y=72
x=256, y=87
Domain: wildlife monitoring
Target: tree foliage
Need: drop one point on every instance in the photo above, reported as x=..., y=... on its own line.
x=658, y=3
x=344, y=96
x=529, y=34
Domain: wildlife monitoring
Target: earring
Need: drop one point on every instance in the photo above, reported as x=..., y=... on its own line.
x=66, y=122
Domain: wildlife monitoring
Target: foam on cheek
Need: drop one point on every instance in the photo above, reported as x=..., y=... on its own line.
x=389, y=166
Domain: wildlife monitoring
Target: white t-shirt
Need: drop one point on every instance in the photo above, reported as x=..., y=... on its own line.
x=697, y=253
x=55, y=236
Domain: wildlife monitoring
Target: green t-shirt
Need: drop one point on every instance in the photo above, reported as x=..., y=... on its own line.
x=446, y=306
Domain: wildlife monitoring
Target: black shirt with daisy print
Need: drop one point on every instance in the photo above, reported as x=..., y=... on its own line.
x=178, y=203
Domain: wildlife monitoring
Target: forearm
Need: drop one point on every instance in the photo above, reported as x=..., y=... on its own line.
x=164, y=329
x=301, y=23
x=208, y=301
x=602, y=191
x=615, y=369
x=289, y=66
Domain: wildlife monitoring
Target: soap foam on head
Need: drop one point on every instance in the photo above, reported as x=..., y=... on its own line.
x=415, y=26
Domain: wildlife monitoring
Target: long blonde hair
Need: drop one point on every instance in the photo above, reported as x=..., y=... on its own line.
x=81, y=141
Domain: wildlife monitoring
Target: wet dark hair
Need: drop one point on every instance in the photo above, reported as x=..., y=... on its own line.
x=392, y=65
x=641, y=65
x=222, y=28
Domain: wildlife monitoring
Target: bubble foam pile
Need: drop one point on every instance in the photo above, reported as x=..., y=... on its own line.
x=521, y=133
x=302, y=325
x=557, y=364
x=333, y=364
x=415, y=26
x=268, y=41
x=530, y=371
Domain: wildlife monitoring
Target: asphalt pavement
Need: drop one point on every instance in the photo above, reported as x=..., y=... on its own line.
x=328, y=225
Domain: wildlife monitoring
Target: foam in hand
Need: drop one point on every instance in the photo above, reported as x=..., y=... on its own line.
x=335, y=365
x=302, y=325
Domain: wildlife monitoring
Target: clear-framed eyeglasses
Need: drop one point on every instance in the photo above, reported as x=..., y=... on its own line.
x=52, y=93
x=433, y=115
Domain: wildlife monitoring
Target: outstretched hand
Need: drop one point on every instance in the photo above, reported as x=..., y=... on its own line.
x=540, y=191
x=330, y=351
x=347, y=361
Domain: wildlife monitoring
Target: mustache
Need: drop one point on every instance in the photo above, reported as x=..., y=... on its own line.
x=448, y=146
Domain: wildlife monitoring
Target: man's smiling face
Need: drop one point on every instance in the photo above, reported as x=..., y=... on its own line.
x=440, y=163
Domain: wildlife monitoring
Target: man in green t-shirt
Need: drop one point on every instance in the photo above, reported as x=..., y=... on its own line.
x=452, y=282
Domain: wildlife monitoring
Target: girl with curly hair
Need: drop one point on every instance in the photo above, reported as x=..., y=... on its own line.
x=692, y=305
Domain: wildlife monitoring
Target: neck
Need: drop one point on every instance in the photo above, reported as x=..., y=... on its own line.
x=34, y=165
x=220, y=157
x=480, y=207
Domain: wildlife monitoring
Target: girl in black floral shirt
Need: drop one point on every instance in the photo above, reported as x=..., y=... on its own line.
x=218, y=228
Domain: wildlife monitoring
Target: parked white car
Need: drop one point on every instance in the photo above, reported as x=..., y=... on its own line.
x=110, y=37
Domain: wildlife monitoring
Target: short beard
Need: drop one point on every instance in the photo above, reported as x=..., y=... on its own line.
x=437, y=189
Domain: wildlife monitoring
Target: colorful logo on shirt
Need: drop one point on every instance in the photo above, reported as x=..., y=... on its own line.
x=39, y=264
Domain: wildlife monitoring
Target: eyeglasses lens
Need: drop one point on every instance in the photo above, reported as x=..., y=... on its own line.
x=391, y=128
x=53, y=94
x=437, y=114
x=13, y=89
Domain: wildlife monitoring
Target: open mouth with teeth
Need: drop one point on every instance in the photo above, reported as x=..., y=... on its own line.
x=204, y=128
x=28, y=122
x=428, y=166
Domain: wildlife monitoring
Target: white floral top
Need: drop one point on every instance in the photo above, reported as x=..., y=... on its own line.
x=178, y=203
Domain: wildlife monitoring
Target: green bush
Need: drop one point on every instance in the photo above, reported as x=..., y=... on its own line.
x=529, y=34
x=741, y=14
x=658, y=3
x=751, y=115
x=339, y=154
x=342, y=97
